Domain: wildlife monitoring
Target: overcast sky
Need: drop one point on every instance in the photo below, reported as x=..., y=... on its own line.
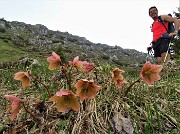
x=124, y=23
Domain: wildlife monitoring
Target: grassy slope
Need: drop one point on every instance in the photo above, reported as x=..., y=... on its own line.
x=9, y=52
x=151, y=109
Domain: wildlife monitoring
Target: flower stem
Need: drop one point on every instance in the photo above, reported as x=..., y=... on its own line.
x=47, y=89
x=36, y=119
x=84, y=105
x=67, y=78
x=130, y=86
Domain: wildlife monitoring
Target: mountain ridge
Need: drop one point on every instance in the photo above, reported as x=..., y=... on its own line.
x=39, y=36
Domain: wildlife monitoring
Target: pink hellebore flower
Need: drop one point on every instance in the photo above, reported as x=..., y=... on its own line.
x=86, y=89
x=76, y=63
x=54, y=61
x=118, y=78
x=24, y=78
x=65, y=100
x=87, y=67
x=117, y=73
x=15, y=105
x=150, y=73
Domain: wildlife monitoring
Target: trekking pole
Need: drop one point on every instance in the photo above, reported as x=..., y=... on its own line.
x=167, y=52
x=170, y=43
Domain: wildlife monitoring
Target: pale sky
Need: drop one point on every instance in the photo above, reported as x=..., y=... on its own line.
x=124, y=23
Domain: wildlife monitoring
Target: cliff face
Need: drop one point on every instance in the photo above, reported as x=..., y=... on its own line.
x=39, y=36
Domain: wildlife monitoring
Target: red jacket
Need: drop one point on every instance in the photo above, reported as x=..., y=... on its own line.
x=158, y=29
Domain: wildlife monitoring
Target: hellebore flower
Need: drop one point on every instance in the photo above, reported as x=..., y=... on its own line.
x=76, y=63
x=24, y=78
x=86, y=89
x=65, y=100
x=118, y=78
x=15, y=105
x=117, y=73
x=54, y=61
x=87, y=67
x=150, y=73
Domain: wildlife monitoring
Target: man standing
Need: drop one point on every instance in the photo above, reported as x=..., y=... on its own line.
x=161, y=37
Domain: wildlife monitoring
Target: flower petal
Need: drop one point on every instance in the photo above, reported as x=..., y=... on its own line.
x=73, y=103
x=156, y=68
x=14, y=113
x=120, y=82
x=76, y=63
x=55, y=56
x=19, y=75
x=25, y=82
x=87, y=67
x=64, y=92
x=62, y=105
x=53, y=66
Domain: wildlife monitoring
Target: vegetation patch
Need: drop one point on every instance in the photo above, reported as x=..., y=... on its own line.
x=112, y=100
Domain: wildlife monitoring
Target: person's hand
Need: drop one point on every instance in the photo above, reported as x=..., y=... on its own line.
x=173, y=34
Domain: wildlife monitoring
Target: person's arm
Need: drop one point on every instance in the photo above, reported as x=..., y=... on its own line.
x=174, y=20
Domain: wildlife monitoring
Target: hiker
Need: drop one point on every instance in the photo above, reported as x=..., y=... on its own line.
x=161, y=35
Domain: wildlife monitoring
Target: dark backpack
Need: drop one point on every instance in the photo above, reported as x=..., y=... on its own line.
x=170, y=28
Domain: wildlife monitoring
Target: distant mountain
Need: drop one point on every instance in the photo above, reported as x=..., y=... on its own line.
x=35, y=38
